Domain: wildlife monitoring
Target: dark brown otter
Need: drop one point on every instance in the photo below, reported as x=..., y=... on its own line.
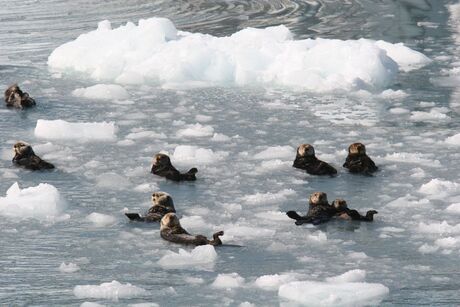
x=162, y=166
x=319, y=211
x=162, y=204
x=358, y=161
x=306, y=160
x=16, y=98
x=172, y=231
x=344, y=213
x=24, y=156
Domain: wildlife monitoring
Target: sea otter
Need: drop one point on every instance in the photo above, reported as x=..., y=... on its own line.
x=16, y=98
x=344, y=213
x=319, y=211
x=162, y=204
x=24, y=156
x=162, y=166
x=306, y=160
x=171, y=230
x=358, y=161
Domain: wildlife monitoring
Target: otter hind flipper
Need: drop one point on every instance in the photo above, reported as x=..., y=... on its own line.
x=293, y=215
x=135, y=217
x=190, y=175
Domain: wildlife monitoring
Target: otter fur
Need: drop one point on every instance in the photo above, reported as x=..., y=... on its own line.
x=16, y=98
x=306, y=160
x=358, y=161
x=162, y=166
x=319, y=211
x=344, y=213
x=24, y=156
x=162, y=204
x=172, y=231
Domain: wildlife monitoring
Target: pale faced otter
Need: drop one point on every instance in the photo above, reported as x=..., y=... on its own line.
x=319, y=211
x=171, y=230
x=358, y=161
x=306, y=160
x=162, y=166
x=24, y=156
x=16, y=98
x=344, y=213
x=162, y=203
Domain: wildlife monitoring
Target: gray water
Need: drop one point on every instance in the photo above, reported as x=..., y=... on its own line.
x=31, y=251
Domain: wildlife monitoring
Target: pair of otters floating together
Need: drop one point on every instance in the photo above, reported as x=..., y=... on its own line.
x=163, y=207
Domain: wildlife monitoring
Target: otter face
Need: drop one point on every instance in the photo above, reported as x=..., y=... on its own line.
x=340, y=204
x=170, y=220
x=162, y=199
x=318, y=198
x=306, y=150
x=161, y=159
x=22, y=148
x=357, y=148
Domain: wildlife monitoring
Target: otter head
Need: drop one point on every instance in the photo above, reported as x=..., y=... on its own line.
x=305, y=150
x=23, y=149
x=161, y=160
x=169, y=221
x=318, y=198
x=340, y=204
x=357, y=149
x=162, y=199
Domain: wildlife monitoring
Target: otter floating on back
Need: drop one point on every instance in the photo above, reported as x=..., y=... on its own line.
x=358, y=161
x=319, y=210
x=344, y=213
x=162, y=204
x=16, y=98
x=306, y=160
x=162, y=166
x=171, y=230
x=24, y=156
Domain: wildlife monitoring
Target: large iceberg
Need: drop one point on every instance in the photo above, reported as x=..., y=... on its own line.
x=154, y=51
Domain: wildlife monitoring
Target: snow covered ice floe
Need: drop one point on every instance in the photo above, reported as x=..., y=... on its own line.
x=68, y=268
x=42, y=202
x=228, y=281
x=193, y=155
x=109, y=290
x=101, y=220
x=102, y=92
x=154, y=52
x=348, y=289
x=83, y=132
x=201, y=256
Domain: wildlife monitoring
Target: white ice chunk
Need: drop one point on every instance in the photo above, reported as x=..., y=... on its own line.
x=268, y=198
x=273, y=282
x=350, y=276
x=109, y=290
x=42, y=202
x=60, y=129
x=101, y=220
x=155, y=52
x=68, y=268
x=102, y=92
x=311, y=293
x=454, y=208
x=91, y=304
x=276, y=152
x=196, y=130
x=454, y=140
x=439, y=189
x=438, y=228
x=228, y=281
x=187, y=154
x=199, y=256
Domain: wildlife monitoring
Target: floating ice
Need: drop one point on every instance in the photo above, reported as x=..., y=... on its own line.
x=433, y=115
x=454, y=208
x=187, y=154
x=268, y=198
x=155, y=52
x=413, y=157
x=42, y=202
x=273, y=282
x=454, y=140
x=112, y=181
x=276, y=152
x=199, y=256
x=101, y=220
x=438, y=188
x=109, y=290
x=68, y=268
x=196, y=130
x=438, y=228
x=102, y=92
x=228, y=281
x=91, y=304
x=60, y=129
x=337, y=291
